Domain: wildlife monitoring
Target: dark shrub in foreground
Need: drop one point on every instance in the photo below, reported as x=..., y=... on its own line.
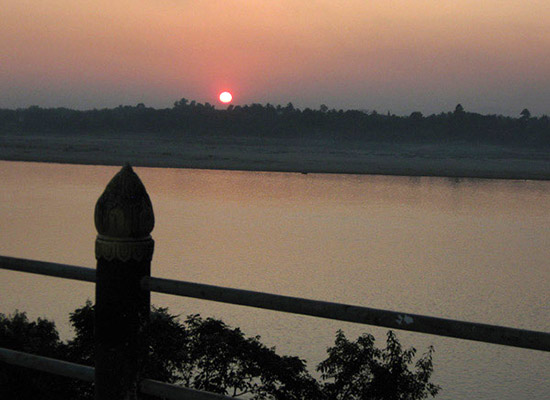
x=206, y=354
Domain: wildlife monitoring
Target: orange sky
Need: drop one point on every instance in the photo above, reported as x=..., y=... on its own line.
x=492, y=56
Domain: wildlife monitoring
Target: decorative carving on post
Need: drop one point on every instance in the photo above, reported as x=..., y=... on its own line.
x=124, y=220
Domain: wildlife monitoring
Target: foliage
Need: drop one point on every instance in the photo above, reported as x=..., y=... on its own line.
x=358, y=370
x=40, y=337
x=223, y=358
x=206, y=354
x=191, y=119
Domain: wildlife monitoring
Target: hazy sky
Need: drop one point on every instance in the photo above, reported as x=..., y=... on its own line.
x=492, y=56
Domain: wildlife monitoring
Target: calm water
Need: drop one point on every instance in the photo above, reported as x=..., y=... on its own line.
x=476, y=250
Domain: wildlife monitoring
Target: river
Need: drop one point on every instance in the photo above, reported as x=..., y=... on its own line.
x=476, y=250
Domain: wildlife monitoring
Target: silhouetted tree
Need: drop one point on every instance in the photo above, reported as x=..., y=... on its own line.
x=182, y=103
x=207, y=354
x=358, y=370
x=416, y=116
x=289, y=107
x=189, y=118
x=459, y=109
x=40, y=337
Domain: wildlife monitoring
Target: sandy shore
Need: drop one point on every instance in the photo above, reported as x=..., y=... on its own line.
x=280, y=155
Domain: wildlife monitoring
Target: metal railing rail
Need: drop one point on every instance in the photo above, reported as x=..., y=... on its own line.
x=48, y=268
x=486, y=333
x=85, y=373
x=351, y=313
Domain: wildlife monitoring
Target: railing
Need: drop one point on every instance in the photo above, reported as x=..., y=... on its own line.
x=124, y=249
x=85, y=373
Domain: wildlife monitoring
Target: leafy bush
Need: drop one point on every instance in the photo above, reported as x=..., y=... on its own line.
x=358, y=370
x=206, y=354
x=40, y=337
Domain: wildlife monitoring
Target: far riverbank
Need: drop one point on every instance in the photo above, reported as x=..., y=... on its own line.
x=457, y=160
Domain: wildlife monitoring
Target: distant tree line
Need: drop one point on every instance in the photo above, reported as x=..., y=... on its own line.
x=206, y=354
x=195, y=119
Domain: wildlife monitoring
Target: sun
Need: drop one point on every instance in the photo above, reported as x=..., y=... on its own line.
x=225, y=97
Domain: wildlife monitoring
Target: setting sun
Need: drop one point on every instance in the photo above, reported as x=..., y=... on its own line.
x=225, y=97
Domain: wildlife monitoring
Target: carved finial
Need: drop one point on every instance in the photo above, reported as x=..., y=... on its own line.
x=124, y=210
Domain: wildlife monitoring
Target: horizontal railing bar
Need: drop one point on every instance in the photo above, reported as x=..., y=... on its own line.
x=342, y=312
x=46, y=364
x=85, y=373
x=350, y=313
x=48, y=268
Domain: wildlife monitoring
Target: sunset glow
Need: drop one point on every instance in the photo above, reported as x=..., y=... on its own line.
x=489, y=56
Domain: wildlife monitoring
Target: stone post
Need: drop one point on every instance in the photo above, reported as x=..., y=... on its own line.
x=124, y=220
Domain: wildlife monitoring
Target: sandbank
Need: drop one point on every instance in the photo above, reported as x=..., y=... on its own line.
x=458, y=160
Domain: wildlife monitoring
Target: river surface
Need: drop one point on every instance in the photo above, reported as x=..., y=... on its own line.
x=476, y=250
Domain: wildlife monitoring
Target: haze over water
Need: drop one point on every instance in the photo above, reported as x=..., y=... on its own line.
x=474, y=250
